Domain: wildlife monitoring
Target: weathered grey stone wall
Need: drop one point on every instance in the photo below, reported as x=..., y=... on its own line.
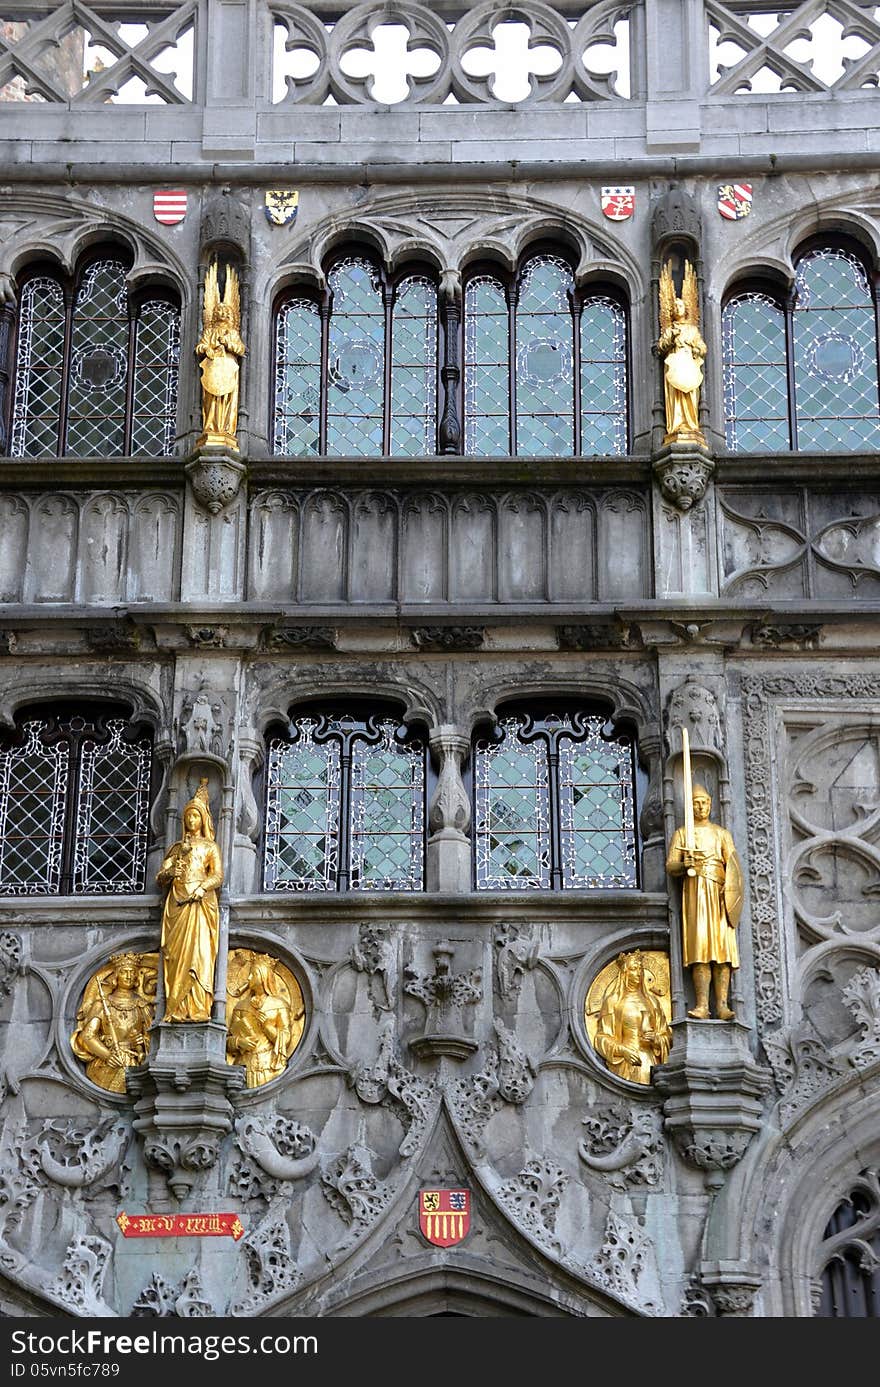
x=449, y=585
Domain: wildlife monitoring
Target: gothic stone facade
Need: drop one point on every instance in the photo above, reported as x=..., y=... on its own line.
x=733, y=592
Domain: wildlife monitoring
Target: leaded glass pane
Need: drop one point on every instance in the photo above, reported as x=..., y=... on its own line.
x=387, y=813
x=111, y=814
x=754, y=374
x=98, y=363
x=512, y=819
x=596, y=819
x=835, y=354
x=157, y=363
x=33, y=789
x=356, y=361
x=302, y=813
x=37, y=408
x=603, y=378
x=486, y=369
x=414, y=369
x=298, y=379
x=544, y=360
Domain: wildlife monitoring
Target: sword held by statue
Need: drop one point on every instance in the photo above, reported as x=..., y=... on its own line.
x=690, y=837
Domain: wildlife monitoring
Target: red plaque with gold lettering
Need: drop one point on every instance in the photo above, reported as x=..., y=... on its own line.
x=180, y=1225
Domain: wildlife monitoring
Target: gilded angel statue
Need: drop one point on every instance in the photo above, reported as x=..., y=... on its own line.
x=220, y=346
x=682, y=350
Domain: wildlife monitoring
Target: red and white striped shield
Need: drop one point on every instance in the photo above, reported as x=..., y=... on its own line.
x=169, y=206
x=735, y=200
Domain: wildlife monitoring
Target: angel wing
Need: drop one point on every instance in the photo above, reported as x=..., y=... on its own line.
x=690, y=294
x=212, y=296
x=667, y=297
x=232, y=296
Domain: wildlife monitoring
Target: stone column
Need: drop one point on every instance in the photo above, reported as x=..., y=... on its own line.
x=449, y=816
x=677, y=74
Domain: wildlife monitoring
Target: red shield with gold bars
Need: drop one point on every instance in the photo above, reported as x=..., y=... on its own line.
x=444, y=1216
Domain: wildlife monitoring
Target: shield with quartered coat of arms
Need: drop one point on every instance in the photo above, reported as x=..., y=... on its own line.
x=444, y=1216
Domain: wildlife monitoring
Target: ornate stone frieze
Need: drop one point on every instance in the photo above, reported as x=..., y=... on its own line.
x=387, y=1081
x=516, y=1073
x=113, y=636
x=80, y=1283
x=445, y=995
x=71, y=1156
x=274, y=1151
x=862, y=996
x=621, y=1260
x=449, y=637
x=516, y=951
x=624, y=1146
x=373, y=954
x=797, y=635
x=281, y=638
x=10, y=960
x=208, y=637
x=270, y=1265
x=532, y=1198
x=350, y=1186
x=18, y=1190
x=607, y=635
x=187, y=1300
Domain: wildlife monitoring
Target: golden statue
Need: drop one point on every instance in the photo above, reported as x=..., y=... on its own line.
x=266, y=1022
x=220, y=346
x=704, y=854
x=682, y=350
x=628, y=1012
x=193, y=872
x=113, y=1023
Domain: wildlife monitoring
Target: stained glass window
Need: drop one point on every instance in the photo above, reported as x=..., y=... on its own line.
x=74, y=799
x=345, y=807
x=835, y=354
x=95, y=376
x=570, y=366
x=802, y=374
x=554, y=805
x=850, y=1252
x=377, y=392
x=755, y=374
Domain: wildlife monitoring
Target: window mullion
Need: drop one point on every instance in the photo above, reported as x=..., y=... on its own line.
x=70, y=308
x=512, y=295
x=576, y=308
x=389, y=294
x=129, y=383
x=553, y=790
x=325, y=359
x=790, y=368
x=343, y=880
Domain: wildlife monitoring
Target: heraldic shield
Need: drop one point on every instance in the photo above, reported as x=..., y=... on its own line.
x=444, y=1216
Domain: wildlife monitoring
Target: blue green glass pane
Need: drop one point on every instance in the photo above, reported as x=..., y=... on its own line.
x=759, y=394
x=157, y=364
x=486, y=369
x=544, y=359
x=831, y=279
x=758, y=436
x=297, y=379
x=603, y=435
x=99, y=363
x=356, y=361
x=754, y=331
x=836, y=378
x=603, y=377
x=37, y=403
x=414, y=369
x=546, y=436
x=603, y=387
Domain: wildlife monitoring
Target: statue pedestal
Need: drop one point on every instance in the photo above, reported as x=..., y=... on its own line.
x=683, y=471
x=714, y=1094
x=215, y=474
x=182, y=1100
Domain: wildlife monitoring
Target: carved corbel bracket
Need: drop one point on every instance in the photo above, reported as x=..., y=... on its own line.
x=182, y=1100
x=732, y=1286
x=683, y=472
x=215, y=476
x=714, y=1095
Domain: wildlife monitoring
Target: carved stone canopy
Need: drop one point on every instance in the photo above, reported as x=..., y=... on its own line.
x=676, y=216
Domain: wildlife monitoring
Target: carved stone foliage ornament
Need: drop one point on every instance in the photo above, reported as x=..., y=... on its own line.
x=625, y=1147
x=274, y=1151
x=270, y=1265
x=80, y=1283
x=350, y=1186
x=532, y=1199
x=516, y=951
x=386, y=1081
x=683, y=476
x=186, y=1300
x=10, y=960
x=628, y=1011
x=621, y=1260
x=265, y=1015
x=373, y=954
x=445, y=995
x=71, y=1156
x=114, y=1018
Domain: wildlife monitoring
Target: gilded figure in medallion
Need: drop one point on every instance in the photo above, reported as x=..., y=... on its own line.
x=193, y=873
x=711, y=903
x=267, y=1019
x=682, y=350
x=628, y=1013
x=113, y=1023
x=220, y=347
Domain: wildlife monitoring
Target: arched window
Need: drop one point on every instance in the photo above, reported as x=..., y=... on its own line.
x=74, y=799
x=802, y=373
x=356, y=373
x=96, y=373
x=345, y=805
x=555, y=803
x=545, y=366
x=850, y=1253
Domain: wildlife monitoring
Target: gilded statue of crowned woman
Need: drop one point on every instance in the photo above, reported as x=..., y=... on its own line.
x=193, y=873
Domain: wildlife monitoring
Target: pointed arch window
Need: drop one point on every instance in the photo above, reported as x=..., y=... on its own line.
x=356, y=372
x=96, y=372
x=345, y=805
x=801, y=373
x=555, y=804
x=74, y=800
x=545, y=365
x=850, y=1253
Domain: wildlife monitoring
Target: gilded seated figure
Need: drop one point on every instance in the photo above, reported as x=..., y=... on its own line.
x=266, y=1023
x=113, y=1023
x=632, y=1032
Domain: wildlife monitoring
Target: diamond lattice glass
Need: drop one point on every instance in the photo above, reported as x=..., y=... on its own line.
x=36, y=412
x=356, y=361
x=414, y=368
x=98, y=363
x=157, y=363
x=544, y=359
x=512, y=818
x=486, y=369
x=33, y=790
x=111, y=814
x=298, y=379
x=755, y=374
x=302, y=812
x=596, y=820
x=603, y=378
x=387, y=813
x=835, y=354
